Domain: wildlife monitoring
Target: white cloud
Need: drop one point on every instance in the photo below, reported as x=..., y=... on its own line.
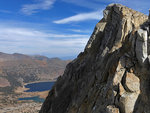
x=80, y=30
x=31, y=41
x=92, y=4
x=29, y=9
x=80, y=17
x=36, y=33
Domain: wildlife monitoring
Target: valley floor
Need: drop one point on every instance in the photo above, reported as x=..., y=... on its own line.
x=22, y=108
x=9, y=103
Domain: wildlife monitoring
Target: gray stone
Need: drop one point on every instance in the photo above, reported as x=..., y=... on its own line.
x=141, y=46
x=132, y=82
x=127, y=102
x=112, y=109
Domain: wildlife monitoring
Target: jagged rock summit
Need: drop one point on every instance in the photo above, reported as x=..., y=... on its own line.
x=112, y=75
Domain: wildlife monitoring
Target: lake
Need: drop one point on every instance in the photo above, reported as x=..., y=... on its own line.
x=35, y=99
x=40, y=86
x=37, y=87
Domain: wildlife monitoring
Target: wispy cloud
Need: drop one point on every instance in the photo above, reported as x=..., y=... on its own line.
x=29, y=9
x=91, y=4
x=140, y=5
x=36, y=33
x=80, y=30
x=80, y=17
x=32, y=41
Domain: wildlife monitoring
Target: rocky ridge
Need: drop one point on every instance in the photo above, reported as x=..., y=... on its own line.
x=17, y=69
x=112, y=74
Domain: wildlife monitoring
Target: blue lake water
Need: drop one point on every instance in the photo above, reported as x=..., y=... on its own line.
x=40, y=86
x=34, y=87
x=35, y=98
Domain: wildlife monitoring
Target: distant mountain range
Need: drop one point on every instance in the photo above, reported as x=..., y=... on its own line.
x=17, y=69
x=68, y=57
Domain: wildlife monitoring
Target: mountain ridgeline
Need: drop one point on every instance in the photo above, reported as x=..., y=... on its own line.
x=112, y=75
x=17, y=69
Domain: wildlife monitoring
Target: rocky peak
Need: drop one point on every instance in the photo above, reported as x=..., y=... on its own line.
x=112, y=74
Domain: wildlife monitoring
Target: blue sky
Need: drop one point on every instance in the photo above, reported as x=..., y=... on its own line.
x=54, y=28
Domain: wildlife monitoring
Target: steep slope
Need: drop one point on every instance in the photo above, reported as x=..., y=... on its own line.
x=112, y=74
x=16, y=69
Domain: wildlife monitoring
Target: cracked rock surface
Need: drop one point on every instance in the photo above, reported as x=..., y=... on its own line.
x=112, y=75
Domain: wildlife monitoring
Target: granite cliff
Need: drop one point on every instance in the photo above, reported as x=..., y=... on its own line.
x=112, y=75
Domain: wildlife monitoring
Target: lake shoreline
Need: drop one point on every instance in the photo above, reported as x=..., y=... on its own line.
x=32, y=89
x=39, y=82
x=39, y=86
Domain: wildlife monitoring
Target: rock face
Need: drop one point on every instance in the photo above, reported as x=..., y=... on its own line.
x=112, y=75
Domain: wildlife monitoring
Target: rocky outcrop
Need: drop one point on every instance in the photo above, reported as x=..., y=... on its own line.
x=112, y=74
